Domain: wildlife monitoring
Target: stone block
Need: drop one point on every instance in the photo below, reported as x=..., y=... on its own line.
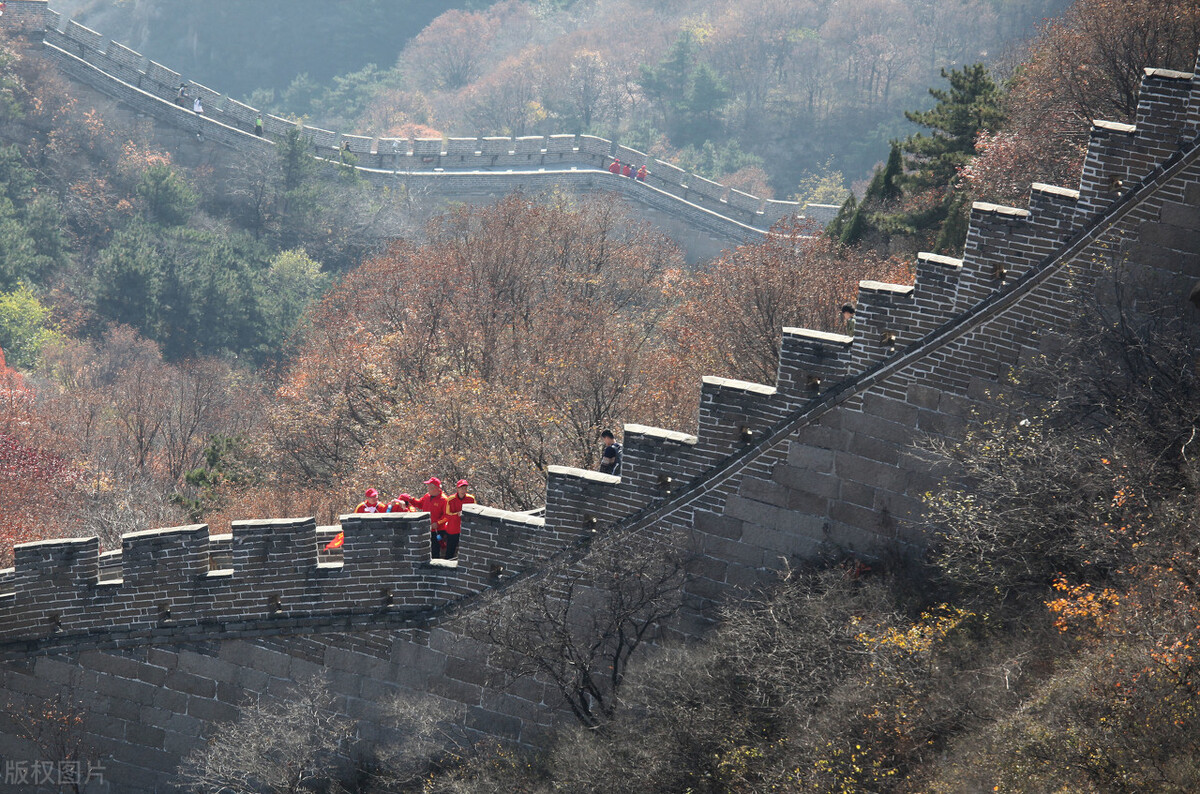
x=458, y=691
x=631, y=156
x=430, y=147
x=810, y=458
x=594, y=148
x=767, y=539
x=560, y=144
x=771, y=493
x=744, y=201
x=461, y=147
x=710, y=190
x=170, y=700
x=529, y=144
x=207, y=710
x=56, y=671
x=206, y=666
x=495, y=146
x=718, y=524
x=806, y=481
x=470, y=671
x=191, y=684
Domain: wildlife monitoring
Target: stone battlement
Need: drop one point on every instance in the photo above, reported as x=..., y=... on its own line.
x=433, y=162
x=958, y=328
x=185, y=577
x=180, y=626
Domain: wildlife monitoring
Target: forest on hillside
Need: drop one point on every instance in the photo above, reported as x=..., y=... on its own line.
x=183, y=348
x=762, y=96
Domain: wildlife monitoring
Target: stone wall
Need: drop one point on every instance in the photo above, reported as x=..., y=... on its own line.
x=181, y=626
x=436, y=163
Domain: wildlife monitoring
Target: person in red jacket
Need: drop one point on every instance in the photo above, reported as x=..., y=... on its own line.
x=435, y=503
x=455, y=504
x=401, y=504
x=641, y=174
x=615, y=168
x=371, y=505
x=627, y=170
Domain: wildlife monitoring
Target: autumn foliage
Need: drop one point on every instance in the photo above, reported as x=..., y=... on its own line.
x=519, y=331
x=502, y=345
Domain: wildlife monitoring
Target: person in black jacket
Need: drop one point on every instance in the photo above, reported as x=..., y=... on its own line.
x=610, y=458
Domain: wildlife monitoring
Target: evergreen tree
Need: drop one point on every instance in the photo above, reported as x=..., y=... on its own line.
x=936, y=215
x=971, y=105
x=841, y=222
x=885, y=185
x=688, y=94
x=954, y=230
x=705, y=98
x=870, y=214
x=128, y=279
x=169, y=200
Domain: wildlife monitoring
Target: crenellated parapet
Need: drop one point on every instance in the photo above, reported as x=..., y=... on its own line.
x=451, y=164
x=180, y=626
x=823, y=458
x=265, y=575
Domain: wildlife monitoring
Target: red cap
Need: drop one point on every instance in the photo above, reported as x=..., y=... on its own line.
x=462, y=483
x=434, y=481
x=372, y=492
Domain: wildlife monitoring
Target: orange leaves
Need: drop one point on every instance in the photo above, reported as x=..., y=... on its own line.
x=1081, y=607
x=137, y=157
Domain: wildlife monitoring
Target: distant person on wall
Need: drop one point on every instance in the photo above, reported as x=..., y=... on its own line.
x=258, y=125
x=627, y=170
x=434, y=502
x=181, y=95
x=641, y=174
x=454, y=508
x=371, y=504
x=848, y=319
x=615, y=168
x=197, y=106
x=610, y=458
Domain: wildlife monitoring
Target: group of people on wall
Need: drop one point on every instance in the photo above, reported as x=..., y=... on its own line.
x=445, y=514
x=625, y=169
x=445, y=510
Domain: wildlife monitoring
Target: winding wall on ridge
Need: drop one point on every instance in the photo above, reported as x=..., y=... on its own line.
x=706, y=217
x=171, y=633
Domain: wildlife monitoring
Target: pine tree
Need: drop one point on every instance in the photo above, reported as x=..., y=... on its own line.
x=972, y=104
x=856, y=219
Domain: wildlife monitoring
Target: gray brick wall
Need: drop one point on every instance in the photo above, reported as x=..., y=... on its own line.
x=176, y=631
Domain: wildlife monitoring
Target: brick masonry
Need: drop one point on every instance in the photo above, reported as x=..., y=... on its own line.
x=452, y=168
x=168, y=636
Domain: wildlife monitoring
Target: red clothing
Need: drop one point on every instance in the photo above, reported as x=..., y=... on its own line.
x=627, y=170
x=436, y=506
x=641, y=174
x=454, y=512
x=378, y=507
x=615, y=168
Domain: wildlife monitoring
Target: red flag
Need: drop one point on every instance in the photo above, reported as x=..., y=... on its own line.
x=337, y=542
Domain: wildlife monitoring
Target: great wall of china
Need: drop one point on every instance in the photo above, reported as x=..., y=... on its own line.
x=176, y=629
x=704, y=216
